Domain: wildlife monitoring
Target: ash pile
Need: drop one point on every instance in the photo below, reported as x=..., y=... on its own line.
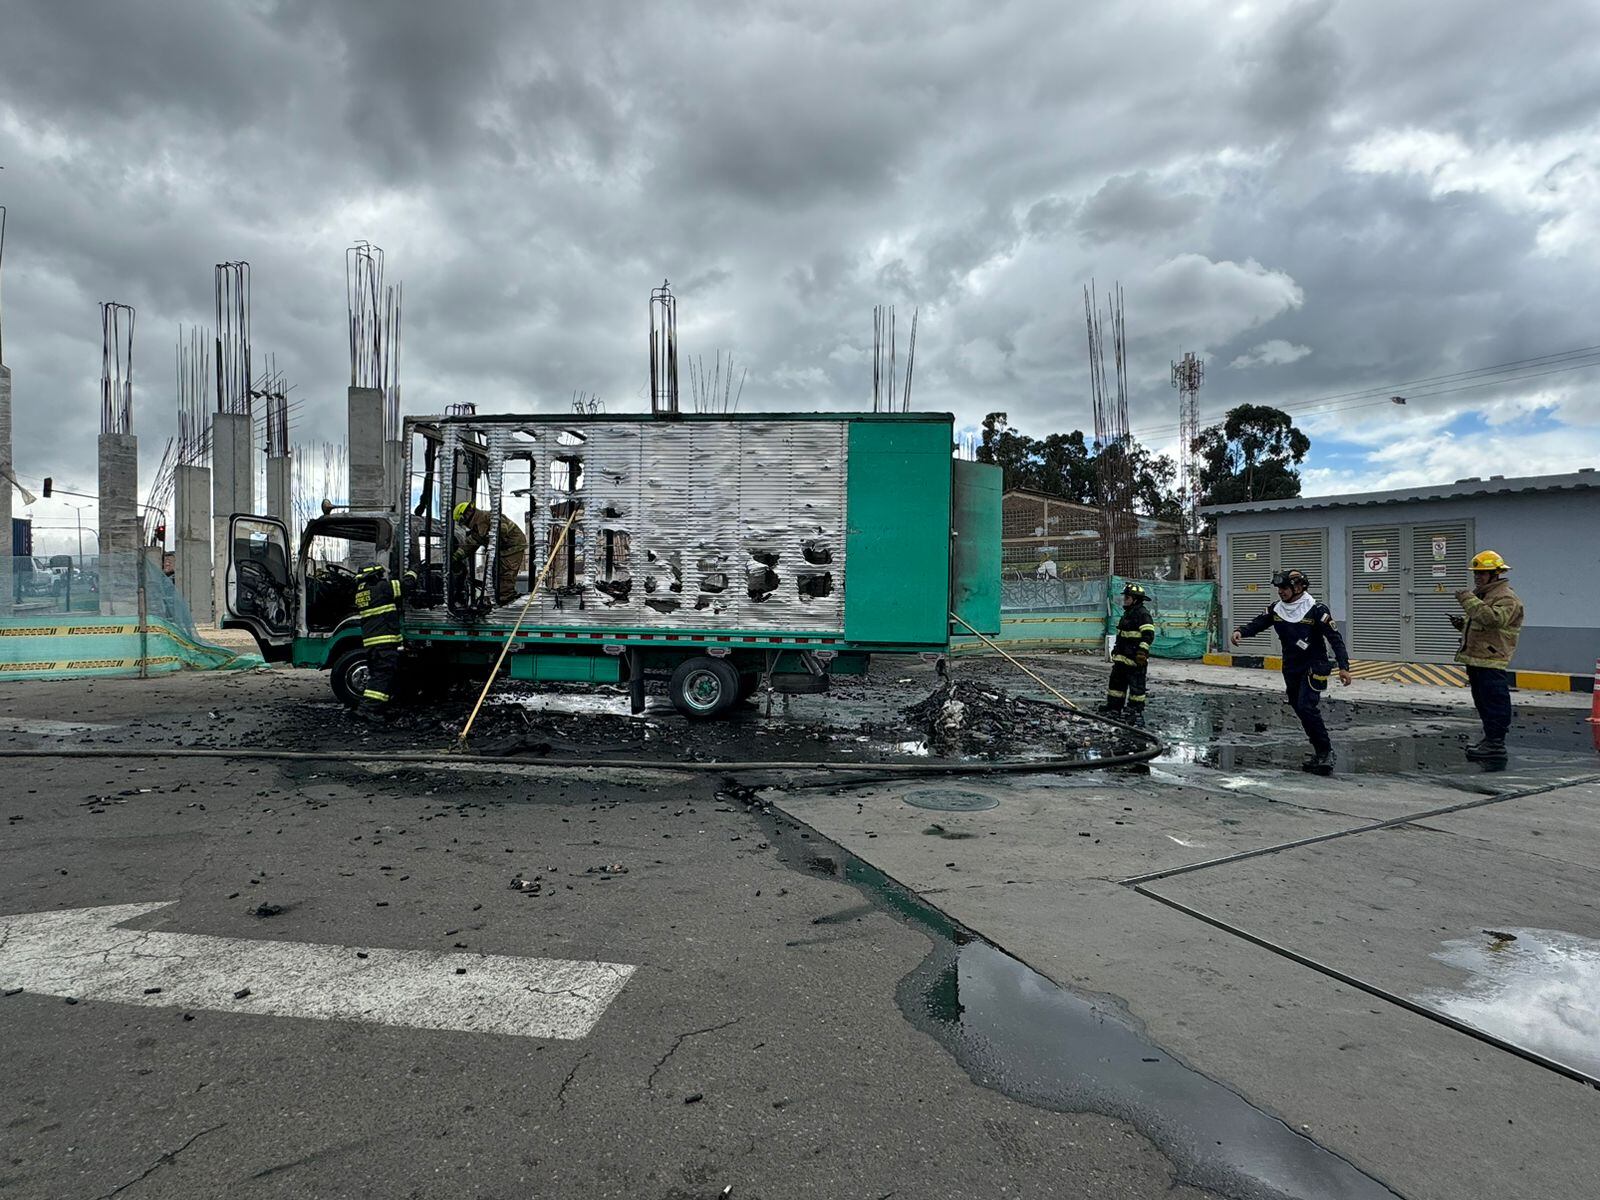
x=976, y=720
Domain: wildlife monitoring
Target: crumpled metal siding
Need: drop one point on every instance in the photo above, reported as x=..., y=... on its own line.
x=694, y=501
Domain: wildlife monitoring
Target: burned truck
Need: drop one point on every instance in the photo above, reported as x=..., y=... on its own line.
x=719, y=553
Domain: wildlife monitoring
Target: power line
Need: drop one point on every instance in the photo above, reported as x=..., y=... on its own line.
x=1480, y=377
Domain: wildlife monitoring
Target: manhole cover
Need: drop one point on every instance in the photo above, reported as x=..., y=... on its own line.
x=950, y=800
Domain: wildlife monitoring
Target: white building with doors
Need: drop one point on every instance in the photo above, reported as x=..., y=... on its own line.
x=1390, y=563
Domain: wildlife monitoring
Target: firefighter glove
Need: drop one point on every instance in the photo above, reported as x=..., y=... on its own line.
x=1141, y=657
x=1458, y=621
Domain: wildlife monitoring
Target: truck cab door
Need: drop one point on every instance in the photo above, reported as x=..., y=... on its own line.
x=260, y=592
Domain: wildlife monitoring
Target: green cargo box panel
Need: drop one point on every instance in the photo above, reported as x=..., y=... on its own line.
x=567, y=668
x=975, y=586
x=897, y=548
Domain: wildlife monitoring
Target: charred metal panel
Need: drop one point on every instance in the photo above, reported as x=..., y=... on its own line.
x=728, y=525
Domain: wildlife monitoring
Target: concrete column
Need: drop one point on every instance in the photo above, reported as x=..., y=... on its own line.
x=280, y=491
x=120, y=535
x=7, y=576
x=191, y=503
x=367, y=483
x=394, y=467
x=233, y=477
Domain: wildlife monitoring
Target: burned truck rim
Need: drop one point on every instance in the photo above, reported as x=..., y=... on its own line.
x=703, y=687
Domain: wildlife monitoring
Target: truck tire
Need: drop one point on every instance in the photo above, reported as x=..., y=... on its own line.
x=348, y=675
x=703, y=687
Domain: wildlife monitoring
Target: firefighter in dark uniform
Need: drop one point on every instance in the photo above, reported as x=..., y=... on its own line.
x=379, y=602
x=1130, y=657
x=1306, y=630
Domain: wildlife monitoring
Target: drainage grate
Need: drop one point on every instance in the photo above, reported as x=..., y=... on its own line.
x=950, y=800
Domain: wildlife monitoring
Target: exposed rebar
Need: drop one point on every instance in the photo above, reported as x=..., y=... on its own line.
x=116, y=367
x=663, y=351
x=232, y=286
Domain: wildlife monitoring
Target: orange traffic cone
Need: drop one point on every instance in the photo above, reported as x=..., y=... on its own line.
x=1594, y=707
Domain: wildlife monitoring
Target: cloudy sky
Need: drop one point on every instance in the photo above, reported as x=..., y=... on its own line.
x=1328, y=200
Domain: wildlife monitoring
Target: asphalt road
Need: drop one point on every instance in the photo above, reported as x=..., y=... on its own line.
x=808, y=1013
x=758, y=1046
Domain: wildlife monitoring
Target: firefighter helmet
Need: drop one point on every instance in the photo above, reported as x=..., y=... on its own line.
x=370, y=569
x=1290, y=579
x=1133, y=589
x=461, y=510
x=1488, y=560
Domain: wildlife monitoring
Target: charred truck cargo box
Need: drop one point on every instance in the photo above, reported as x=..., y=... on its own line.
x=723, y=553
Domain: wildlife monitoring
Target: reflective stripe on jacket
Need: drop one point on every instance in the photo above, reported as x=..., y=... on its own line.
x=1135, y=632
x=1494, y=622
x=378, y=605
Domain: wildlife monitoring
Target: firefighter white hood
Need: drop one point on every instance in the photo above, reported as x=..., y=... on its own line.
x=1294, y=610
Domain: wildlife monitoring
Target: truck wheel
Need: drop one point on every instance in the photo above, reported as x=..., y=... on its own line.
x=703, y=687
x=348, y=675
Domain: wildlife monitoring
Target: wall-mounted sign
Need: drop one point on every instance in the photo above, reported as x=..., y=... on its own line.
x=1441, y=547
x=1377, y=562
x=1252, y=587
x=1440, y=570
x=1374, y=587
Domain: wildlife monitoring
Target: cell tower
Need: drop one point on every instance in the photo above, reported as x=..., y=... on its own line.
x=1187, y=376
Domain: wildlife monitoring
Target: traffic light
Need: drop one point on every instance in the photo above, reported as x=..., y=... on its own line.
x=161, y=534
x=47, y=484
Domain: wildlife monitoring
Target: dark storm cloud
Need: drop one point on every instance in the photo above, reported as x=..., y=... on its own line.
x=1291, y=76
x=1134, y=206
x=102, y=63
x=1397, y=192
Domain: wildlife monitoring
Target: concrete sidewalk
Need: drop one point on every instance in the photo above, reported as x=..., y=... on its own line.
x=1289, y=976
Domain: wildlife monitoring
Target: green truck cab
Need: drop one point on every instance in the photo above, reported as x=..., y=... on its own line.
x=721, y=553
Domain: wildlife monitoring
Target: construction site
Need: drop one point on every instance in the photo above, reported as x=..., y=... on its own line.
x=686, y=801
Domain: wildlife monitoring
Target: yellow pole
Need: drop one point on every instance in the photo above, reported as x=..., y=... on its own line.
x=488, y=683
x=1018, y=665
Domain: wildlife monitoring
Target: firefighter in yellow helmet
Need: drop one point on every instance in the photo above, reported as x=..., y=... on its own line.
x=513, y=547
x=1490, y=623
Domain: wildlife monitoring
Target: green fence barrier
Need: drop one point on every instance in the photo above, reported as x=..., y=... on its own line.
x=1181, y=611
x=66, y=647
x=52, y=637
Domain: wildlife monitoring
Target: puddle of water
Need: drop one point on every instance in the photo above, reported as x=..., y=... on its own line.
x=571, y=703
x=1540, y=991
x=1015, y=1031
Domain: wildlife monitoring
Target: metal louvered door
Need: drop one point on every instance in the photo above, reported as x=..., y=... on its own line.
x=1249, y=576
x=1441, y=565
x=1304, y=550
x=1378, y=600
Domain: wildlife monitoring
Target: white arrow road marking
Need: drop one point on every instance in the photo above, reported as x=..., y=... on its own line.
x=82, y=952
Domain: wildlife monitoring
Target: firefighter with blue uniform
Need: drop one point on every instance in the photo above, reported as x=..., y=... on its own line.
x=1306, y=631
x=379, y=603
x=1130, y=658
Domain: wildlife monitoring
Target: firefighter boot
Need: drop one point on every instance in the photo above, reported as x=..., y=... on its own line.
x=1487, y=750
x=1319, y=763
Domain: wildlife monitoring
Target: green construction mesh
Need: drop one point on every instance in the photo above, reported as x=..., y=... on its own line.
x=64, y=625
x=1181, y=611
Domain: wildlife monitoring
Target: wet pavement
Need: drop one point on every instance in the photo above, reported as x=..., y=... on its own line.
x=1242, y=1013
